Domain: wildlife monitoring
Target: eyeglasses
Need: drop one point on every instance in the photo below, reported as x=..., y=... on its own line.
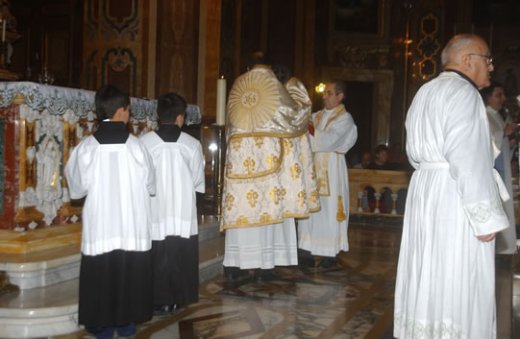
x=489, y=58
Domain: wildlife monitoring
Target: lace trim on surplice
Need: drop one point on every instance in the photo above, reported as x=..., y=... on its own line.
x=415, y=329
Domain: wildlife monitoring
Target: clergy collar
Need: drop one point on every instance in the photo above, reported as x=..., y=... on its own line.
x=462, y=75
x=111, y=132
x=169, y=133
x=491, y=109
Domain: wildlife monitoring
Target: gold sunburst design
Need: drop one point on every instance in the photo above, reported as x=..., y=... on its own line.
x=253, y=100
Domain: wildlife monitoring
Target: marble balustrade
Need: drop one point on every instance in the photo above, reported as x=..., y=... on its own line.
x=377, y=191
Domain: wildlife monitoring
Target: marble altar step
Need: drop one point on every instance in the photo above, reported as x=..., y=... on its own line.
x=51, y=309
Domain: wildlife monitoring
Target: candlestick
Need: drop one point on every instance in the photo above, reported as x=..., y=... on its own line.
x=221, y=101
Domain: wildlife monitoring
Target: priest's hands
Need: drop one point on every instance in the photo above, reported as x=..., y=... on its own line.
x=310, y=128
x=487, y=237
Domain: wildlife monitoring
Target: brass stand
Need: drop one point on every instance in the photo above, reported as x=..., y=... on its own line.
x=219, y=167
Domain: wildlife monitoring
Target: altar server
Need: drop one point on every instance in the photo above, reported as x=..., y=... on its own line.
x=446, y=273
x=115, y=172
x=179, y=168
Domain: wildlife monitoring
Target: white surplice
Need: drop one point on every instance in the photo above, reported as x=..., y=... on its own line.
x=506, y=239
x=118, y=180
x=445, y=284
x=322, y=233
x=179, y=174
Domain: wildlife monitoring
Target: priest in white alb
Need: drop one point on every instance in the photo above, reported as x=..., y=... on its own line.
x=445, y=284
x=501, y=130
x=333, y=133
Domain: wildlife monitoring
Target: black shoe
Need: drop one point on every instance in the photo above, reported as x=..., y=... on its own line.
x=101, y=332
x=305, y=258
x=232, y=274
x=128, y=331
x=161, y=310
x=328, y=262
x=265, y=275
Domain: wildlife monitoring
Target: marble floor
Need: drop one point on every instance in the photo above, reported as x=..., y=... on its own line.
x=354, y=299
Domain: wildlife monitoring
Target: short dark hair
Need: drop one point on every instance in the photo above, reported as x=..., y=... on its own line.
x=487, y=91
x=108, y=100
x=257, y=57
x=169, y=106
x=380, y=148
x=340, y=86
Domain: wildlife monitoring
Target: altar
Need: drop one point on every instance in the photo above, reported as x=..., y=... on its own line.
x=40, y=227
x=39, y=125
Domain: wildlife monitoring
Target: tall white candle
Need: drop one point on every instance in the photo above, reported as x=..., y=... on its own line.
x=221, y=101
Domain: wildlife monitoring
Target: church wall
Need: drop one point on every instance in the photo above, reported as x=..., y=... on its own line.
x=185, y=45
x=115, y=36
x=49, y=38
x=177, y=47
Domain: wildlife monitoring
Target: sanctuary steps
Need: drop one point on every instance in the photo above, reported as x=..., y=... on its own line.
x=44, y=266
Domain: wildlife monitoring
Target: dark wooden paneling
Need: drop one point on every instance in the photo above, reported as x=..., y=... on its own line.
x=51, y=37
x=177, y=47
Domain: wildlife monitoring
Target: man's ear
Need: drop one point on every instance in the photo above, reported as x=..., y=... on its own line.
x=342, y=97
x=179, y=121
x=466, y=60
x=122, y=114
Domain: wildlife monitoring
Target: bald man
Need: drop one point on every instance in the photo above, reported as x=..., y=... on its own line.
x=446, y=273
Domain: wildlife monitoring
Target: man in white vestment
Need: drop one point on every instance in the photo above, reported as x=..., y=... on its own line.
x=333, y=132
x=179, y=171
x=269, y=178
x=445, y=284
x=113, y=169
x=494, y=98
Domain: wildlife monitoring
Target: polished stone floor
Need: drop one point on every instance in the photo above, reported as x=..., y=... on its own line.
x=353, y=299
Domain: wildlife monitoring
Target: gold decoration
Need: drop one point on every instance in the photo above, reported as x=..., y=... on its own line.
x=277, y=194
x=321, y=166
x=296, y=171
x=253, y=100
x=236, y=143
x=229, y=201
x=266, y=218
x=302, y=196
x=273, y=161
x=287, y=144
x=314, y=197
x=252, y=197
x=249, y=165
x=242, y=221
x=259, y=141
x=340, y=216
